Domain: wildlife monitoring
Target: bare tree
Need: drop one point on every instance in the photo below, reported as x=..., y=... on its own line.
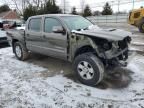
x=21, y=5
x=17, y=6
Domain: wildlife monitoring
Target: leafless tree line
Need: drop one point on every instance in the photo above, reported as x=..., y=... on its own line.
x=21, y=5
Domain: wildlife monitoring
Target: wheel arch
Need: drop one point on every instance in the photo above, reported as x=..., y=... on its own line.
x=84, y=49
x=84, y=45
x=17, y=40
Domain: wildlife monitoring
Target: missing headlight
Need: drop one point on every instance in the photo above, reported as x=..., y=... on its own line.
x=107, y=46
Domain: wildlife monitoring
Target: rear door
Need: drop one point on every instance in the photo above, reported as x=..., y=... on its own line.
x=34, y=35
x=54, y=43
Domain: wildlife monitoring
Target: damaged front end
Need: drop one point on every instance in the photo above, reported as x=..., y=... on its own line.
x=114, y=53
x=111, y=45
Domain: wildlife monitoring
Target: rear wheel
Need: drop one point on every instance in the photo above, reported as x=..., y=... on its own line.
x=20, y=51
x=88, y=69
x=141, y=27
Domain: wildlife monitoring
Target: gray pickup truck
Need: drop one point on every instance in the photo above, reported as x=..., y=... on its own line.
x=73, y=38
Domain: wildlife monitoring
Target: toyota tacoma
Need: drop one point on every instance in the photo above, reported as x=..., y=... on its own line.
x=91, y=50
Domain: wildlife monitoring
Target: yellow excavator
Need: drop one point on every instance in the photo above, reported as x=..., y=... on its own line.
x=136, y=18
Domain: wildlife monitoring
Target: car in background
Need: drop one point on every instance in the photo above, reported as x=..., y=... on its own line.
x=3, y=39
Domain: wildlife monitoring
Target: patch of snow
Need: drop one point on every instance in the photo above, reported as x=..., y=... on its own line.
x=137, y=43
x=21, y=86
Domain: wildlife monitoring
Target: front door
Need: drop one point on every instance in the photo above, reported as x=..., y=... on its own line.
x=54, y=43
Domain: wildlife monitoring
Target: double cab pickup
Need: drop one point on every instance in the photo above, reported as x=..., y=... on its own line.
x=75, y=39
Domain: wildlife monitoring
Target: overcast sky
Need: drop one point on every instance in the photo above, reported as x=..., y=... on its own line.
x=96, y=4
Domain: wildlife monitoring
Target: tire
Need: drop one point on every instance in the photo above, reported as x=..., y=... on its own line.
x=141, y=27
x=20, y=51
x=94, y=72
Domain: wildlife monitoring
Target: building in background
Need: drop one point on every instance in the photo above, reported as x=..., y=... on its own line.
x=10, y=17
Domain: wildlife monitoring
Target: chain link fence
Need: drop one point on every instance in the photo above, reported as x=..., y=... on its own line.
x=107, y=19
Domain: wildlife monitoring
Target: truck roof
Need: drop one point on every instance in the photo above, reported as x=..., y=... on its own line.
x=54, y=15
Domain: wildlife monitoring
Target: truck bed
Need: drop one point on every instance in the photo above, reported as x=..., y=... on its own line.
x=15, y=34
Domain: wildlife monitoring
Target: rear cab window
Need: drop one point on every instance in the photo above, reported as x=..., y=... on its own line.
x=35, y=24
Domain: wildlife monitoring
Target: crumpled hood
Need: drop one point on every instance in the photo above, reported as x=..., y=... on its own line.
x=109, y=34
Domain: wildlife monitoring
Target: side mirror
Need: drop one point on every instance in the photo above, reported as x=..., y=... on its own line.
x=58, y=29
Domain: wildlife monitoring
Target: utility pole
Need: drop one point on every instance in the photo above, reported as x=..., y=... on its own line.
x=118, y=5
x=112, y=3
x=82, y=5
x=64, y=2
x=118, y=11
x=133, y=4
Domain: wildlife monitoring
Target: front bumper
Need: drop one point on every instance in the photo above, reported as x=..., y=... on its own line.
x=114, y=54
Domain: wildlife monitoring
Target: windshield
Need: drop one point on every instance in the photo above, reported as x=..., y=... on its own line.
x=76, y=22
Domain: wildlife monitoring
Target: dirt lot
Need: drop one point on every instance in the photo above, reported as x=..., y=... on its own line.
x=45, y=82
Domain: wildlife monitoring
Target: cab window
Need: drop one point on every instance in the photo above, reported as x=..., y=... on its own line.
x=137, y=14
x=35, y=24
x=50, y=23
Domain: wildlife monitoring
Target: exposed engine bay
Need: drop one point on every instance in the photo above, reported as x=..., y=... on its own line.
x=114, y=53
x=112, y=44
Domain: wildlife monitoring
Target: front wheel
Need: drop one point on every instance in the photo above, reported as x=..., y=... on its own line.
x=88, y=69
x=20, y=51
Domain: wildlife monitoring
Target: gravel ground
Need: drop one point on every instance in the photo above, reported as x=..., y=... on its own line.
x=23, y=85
